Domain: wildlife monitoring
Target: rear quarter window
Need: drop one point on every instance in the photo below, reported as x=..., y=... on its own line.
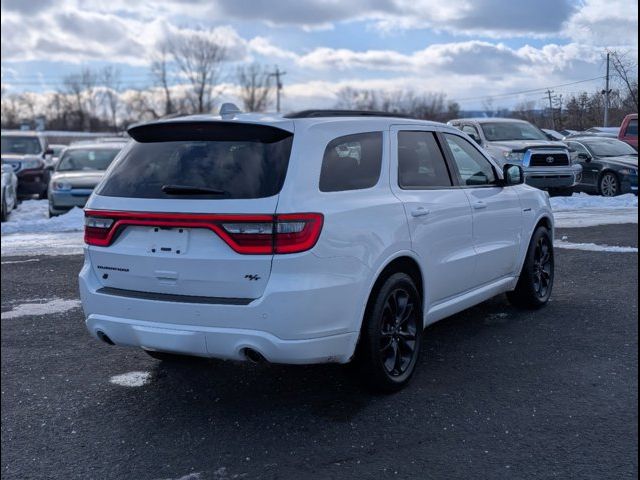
x=235, y=160
x=351, y=162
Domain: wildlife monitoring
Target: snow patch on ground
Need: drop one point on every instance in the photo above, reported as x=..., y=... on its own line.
x=57, y=305
x=583, y=210
x=593, y=247
x=32, y=216
x=65, y=243
x=131, y=379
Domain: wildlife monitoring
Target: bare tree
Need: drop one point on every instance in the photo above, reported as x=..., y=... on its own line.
x=255, y=86
x=199, y=58
x=110, y=79
x=626, y=70
x=81, y=88
x=161, y=73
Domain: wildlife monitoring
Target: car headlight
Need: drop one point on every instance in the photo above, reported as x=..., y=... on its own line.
x=61, y=186
x=513, y=156
x=31, y=164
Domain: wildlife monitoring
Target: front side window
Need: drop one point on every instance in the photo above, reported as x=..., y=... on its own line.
x=21, y=145
x=578, y=147
x=420, y=161
x=473, y=167
x=351, y=162
x=632, y=128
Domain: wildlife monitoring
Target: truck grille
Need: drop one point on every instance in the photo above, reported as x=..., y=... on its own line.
x=549, y=160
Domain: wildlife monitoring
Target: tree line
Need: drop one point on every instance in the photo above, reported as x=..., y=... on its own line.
x=187, y=75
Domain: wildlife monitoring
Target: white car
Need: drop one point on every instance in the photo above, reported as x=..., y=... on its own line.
x=321, y=236
x=9, y=190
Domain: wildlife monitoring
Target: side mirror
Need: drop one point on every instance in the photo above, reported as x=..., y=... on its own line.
x=512, y=174
x=48, y=152
x=584, y=156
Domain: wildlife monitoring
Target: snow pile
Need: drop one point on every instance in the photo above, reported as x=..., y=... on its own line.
x=32, y=216
x=57, y=305
x=580, y=201
x=131, y=379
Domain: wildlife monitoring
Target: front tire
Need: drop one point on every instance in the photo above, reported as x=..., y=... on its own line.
x=391, y=335
x=609, y=185
x=536, y=278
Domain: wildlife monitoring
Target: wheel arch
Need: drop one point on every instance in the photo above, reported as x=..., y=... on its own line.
x=405, y=261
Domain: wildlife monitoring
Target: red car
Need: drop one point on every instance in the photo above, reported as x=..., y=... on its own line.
x=629, y=130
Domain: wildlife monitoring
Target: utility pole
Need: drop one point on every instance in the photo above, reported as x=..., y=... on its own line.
x=278, y=74
x=606, y=92
x=553, y=120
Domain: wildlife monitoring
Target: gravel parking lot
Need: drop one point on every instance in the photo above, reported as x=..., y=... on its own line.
x=499, y=393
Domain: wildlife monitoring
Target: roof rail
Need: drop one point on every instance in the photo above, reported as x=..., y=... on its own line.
x=343, y=113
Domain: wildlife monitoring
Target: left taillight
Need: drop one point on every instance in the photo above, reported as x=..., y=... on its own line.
x=97, y=230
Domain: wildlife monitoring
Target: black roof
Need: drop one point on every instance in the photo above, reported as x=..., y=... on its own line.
x=343, y=113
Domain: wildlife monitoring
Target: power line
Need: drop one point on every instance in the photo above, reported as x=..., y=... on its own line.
x=534, y=90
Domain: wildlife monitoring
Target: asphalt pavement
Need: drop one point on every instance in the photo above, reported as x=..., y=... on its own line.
x=499, y=393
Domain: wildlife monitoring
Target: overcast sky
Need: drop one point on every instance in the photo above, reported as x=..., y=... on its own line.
x=465, y=48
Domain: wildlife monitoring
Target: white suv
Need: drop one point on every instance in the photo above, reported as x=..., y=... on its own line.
x=320, y=236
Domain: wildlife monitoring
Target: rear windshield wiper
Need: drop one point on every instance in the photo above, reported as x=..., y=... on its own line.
x=190, y=190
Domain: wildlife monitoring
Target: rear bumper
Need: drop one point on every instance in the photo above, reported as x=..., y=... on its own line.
x=299, y=319
x=224, y=343
x=559, y=177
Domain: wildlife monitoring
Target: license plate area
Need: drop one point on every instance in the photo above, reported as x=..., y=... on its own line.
x=168, y=241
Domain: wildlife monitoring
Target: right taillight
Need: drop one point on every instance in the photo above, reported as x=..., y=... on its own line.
x=245, y=234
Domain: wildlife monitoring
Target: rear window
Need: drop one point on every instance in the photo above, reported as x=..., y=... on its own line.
x=351, y=162
x=224, y=160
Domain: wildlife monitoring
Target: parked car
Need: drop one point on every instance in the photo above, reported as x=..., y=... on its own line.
x=79, y=170
x=552, y=134
x=609, y=166
x=233, y=237
x=546, y=163
x=28, y=154
x=629, y=130
x=610, y=132
x=8, y=190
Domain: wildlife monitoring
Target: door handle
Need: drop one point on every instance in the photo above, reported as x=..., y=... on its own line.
x=479, y=205
x=420, y=212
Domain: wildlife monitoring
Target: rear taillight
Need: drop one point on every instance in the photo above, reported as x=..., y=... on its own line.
x=246, y=234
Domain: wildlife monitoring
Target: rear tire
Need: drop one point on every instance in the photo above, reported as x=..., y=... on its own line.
x=4, y=213
x=536, y=278
x=391, y=335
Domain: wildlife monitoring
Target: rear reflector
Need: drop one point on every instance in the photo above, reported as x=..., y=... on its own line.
x=245, y=234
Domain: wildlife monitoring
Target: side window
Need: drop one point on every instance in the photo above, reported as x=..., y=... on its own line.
x=420, y=161
x=632, y=128
x=474, y=169
x=351, y=162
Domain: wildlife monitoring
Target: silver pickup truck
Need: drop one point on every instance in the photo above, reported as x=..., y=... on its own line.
x=547, y=164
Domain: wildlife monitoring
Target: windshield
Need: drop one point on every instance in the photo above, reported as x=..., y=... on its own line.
x=609, y=148
x=503, y=131
x=86, y=159
x=21, y=145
